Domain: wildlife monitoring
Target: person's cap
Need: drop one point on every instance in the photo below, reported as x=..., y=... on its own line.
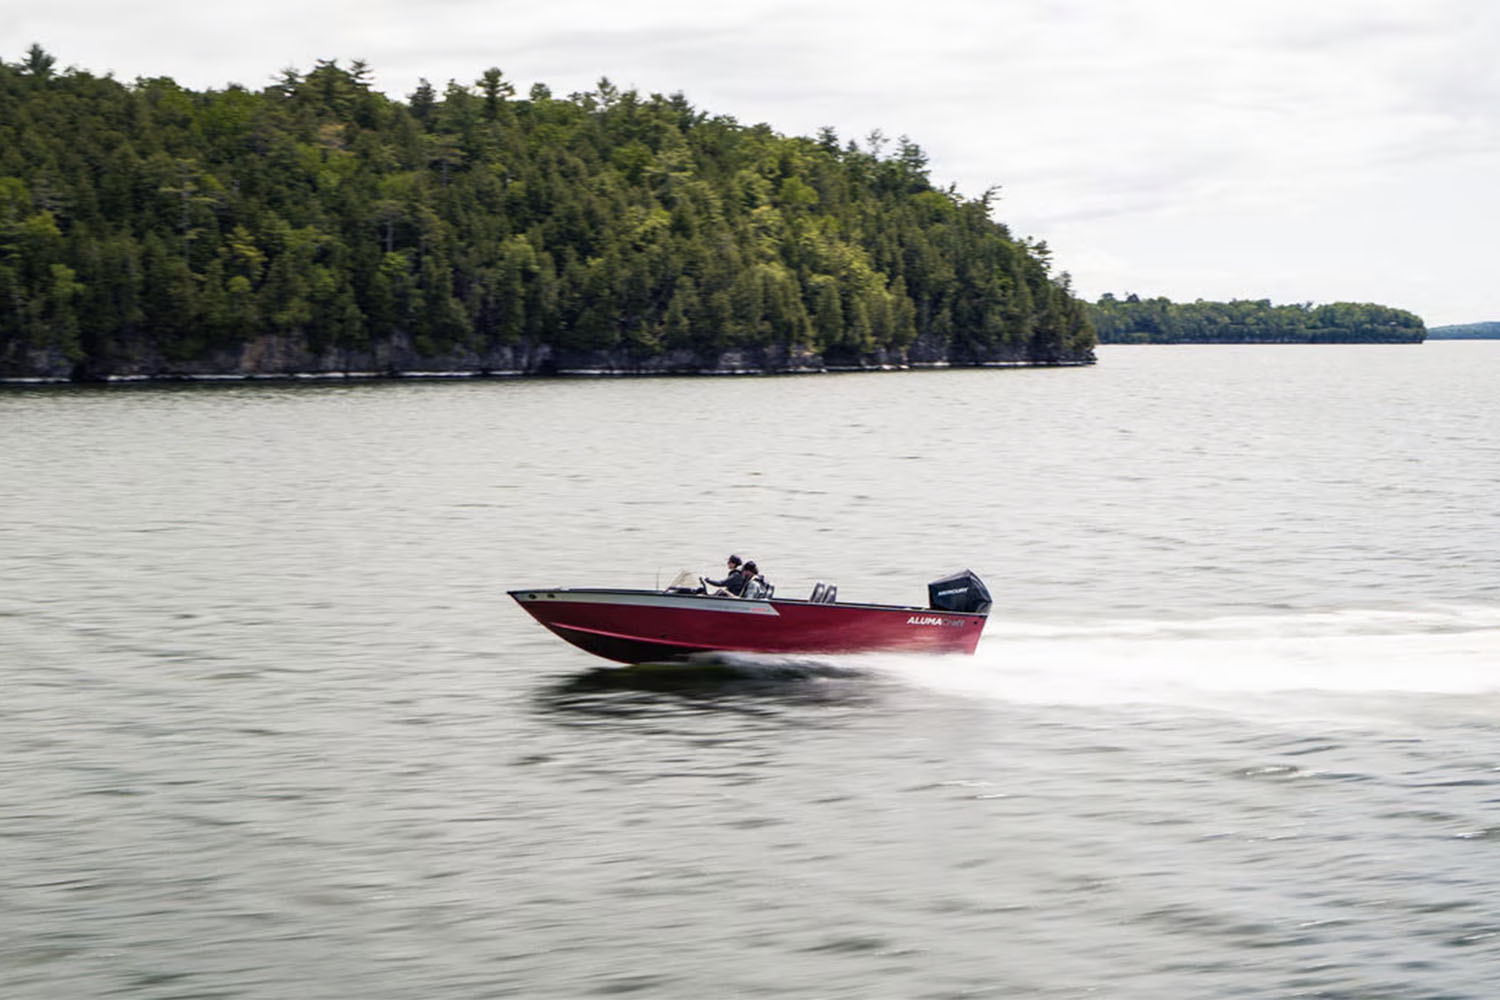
x=735, y=560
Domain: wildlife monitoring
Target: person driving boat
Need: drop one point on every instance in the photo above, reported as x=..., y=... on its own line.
x=734, y=581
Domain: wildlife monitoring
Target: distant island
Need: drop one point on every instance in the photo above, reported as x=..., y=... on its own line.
x=1465, y=331
x=1133, y=320
x=317, y=226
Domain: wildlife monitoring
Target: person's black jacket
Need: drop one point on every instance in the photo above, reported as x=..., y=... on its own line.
x=734, y=582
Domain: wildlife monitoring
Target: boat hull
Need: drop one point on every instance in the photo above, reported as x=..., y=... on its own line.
x=641, y=626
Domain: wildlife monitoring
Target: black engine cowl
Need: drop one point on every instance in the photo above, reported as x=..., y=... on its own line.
x=960, y=592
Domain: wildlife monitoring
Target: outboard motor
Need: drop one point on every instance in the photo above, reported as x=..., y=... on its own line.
x=960, y=592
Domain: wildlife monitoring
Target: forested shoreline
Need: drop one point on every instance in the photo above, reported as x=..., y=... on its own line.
x=1465, y=331
x=1133, y=320
x=317, y=226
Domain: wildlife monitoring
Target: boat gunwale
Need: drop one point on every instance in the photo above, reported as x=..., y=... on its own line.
x=770, y=601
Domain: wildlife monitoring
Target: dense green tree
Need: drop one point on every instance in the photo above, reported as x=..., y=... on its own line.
x=146, y=220
x=1134, y=320
x=1465, y=331
x=38, y=64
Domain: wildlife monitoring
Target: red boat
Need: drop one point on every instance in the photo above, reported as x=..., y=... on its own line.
x=648, y=626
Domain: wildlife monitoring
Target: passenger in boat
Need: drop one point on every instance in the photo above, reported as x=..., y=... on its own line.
x=755, y=584
x=734, y=581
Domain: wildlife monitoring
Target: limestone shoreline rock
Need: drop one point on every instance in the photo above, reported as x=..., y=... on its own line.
x=282, y=357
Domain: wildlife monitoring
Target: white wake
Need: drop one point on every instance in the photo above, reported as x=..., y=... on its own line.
x=1437, y=650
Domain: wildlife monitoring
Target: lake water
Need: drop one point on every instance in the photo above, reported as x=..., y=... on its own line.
x=270, y=727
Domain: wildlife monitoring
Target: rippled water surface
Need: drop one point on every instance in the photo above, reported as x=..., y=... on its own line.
x=270, y=727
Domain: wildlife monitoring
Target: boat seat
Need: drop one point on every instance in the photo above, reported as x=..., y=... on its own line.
x=830, y=594
x=817, y=594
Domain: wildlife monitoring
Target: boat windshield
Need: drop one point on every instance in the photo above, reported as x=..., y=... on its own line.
x=685, y=582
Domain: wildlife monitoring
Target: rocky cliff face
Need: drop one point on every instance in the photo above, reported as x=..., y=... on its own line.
x=274, y=356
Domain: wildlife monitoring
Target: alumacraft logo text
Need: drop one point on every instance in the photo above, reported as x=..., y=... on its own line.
x=930, y=620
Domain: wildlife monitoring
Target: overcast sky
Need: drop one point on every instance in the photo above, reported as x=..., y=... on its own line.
x=1297, y=150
